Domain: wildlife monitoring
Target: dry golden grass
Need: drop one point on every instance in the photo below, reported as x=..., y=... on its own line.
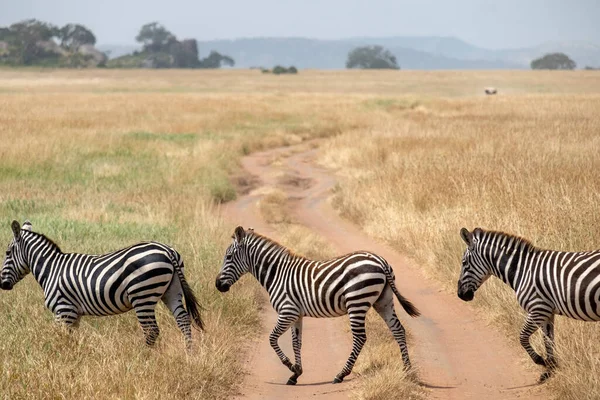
x=102, y=158
x=524, y=164
x=274, y=207
x=98, y=163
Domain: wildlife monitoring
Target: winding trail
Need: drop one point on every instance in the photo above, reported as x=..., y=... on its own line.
x=457, y=354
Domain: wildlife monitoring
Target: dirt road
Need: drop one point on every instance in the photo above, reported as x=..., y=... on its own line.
x=457, y=354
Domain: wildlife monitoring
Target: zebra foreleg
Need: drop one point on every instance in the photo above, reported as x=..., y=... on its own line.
x=67, y=317
x=531, y=325
x=297, y=345
x=359, y=337
x=549, y=343
x=284, y=321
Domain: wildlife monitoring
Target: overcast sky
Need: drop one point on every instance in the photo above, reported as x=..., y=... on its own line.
x=486, y=23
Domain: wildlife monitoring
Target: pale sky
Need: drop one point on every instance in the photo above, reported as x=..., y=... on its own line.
x=486, y=23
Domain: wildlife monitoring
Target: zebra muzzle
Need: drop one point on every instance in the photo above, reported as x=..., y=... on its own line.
x=221, y=286
x=466, y=295
x=5, y=285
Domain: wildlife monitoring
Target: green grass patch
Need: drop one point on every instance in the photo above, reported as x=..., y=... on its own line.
x=165, y=137
x=391, y=104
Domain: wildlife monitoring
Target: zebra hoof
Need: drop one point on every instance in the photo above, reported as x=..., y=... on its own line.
x=337, y=380
x=292, y=381
x=545, y=376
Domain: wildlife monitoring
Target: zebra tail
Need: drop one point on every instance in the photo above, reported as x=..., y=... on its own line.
x=407, y=305
x=191, y=302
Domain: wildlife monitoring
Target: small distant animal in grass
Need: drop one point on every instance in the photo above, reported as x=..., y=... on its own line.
x=136, y=277
x=490, y=91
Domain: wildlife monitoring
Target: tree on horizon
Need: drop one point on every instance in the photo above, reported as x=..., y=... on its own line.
x=371, y=57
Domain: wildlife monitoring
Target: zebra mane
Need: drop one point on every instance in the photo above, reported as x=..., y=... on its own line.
x=47, y=239
x=518, y=240
x=276, y=243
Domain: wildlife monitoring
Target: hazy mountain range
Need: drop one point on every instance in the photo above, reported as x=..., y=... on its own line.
x=412, y=52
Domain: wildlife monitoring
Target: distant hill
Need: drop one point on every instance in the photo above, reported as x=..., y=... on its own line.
x=426, y=53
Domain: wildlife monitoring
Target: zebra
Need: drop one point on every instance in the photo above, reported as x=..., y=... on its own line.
x=135, y=277
x=546, y=282
x=299, y=287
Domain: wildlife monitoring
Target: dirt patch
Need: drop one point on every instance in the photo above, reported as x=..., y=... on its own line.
x=244, y=183
x=295, y=181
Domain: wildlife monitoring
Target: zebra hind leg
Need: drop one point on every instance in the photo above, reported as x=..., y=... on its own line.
x=297, y=345
x=359, y=337
x=385, y=308
x=147, y=320
x=173, y=300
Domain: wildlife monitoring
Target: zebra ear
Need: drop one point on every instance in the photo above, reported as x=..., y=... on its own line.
x=239, y=234
x=466, y=236
x=26, y=226
x=16, y=228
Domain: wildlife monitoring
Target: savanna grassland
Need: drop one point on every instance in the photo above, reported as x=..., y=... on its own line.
x=526, y=163
x=99, y=159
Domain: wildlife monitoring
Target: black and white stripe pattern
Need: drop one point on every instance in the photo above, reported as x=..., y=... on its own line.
x=546, y=282
x=136, y=277
x=300, y=287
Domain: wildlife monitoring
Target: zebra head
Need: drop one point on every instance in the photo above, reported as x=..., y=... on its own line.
x=236, y=261
x=15, y=265
x=475, y=270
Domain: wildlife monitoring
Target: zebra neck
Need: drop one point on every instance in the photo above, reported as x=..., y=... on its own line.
x=269, y=267
x=510, y=263
x=41, y=254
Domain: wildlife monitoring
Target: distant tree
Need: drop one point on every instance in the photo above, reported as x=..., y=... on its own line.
x=588, y=68
x=371, y=57
x=4, y=33
x=26, y=41
x=553, y=61
x=72, y=36
x=155, y=37
x=216, y=60
x=34, y=29
x=278, y=70
x=185, y=53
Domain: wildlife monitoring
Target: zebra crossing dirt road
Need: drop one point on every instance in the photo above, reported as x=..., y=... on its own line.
x=457, y=354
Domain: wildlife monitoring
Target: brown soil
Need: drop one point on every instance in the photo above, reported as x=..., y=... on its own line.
x=458, y=355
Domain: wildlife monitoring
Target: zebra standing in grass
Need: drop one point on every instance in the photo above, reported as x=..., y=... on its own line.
x=300, y=287
x=546, y=282
x=81, y=284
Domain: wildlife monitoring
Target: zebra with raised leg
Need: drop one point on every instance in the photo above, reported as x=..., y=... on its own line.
x=136, y=277
x=299, y=287
x=546, y=282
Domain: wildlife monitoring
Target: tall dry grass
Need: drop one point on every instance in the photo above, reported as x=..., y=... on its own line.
x=523, y=164
x=100, y=160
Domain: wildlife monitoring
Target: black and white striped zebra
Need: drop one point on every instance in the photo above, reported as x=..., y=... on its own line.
x=299, y=287
x=546, y=283
x=136, y=277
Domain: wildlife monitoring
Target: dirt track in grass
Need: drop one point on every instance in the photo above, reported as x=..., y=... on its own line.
x=457, y=355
